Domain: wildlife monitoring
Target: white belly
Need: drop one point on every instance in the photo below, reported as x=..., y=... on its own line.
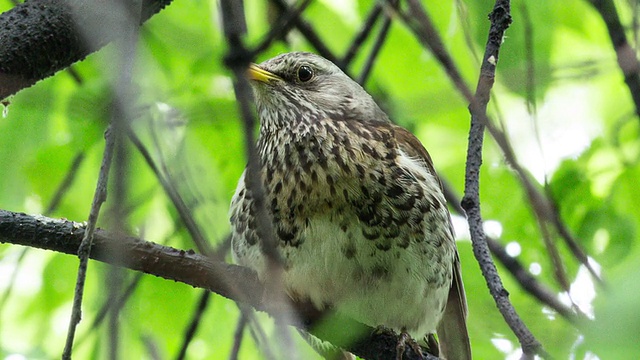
x=390, y=288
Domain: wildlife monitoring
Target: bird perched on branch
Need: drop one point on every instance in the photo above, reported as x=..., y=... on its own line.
x=358, y=212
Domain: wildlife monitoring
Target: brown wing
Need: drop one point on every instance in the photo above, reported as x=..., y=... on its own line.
x=413, y=147
x=452, y=330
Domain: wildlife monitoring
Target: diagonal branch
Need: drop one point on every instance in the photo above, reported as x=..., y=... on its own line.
x=84, y=248
x=308, y=32
x=527, y=281
x=627, y=59
x=42, y=37
x=282, y=27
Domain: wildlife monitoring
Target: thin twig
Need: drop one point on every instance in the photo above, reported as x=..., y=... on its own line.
x=238, y=335
x=66, y=183
x=196, y=317
x=463, y=18
x=382, y=36
x=530, y=284
x=559, y=271
x=308, y=32
x=51, y=207
x=417, y=19
x=627, y=59
x=527, y=281
x=109, y=305
x=12, y=278
x=282, y=27
x=258, y=334
x=361, y=36
x=84, y=250
x=530, y=86
x=574, y=246
x=178, y=202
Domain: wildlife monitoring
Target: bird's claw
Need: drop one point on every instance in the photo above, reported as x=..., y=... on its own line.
x=405, y=339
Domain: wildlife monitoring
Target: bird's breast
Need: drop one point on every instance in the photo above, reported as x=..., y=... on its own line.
x=358, y=223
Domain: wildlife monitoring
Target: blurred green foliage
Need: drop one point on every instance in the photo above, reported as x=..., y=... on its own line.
x=584, y=140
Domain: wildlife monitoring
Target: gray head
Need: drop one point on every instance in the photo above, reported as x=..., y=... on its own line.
x=301, y=86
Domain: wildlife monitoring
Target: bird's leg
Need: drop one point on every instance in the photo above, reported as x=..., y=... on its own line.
x=432, y=345
x=405, y=339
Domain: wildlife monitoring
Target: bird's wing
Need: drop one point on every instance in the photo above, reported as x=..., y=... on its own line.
x=410, y=145
x=452, y=330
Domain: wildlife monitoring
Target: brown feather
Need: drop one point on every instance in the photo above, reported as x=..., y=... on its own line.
x=452, y=330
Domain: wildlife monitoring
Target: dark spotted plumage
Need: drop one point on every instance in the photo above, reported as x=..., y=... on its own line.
x=357, y=208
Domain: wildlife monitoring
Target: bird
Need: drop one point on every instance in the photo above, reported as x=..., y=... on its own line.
x=359, y=217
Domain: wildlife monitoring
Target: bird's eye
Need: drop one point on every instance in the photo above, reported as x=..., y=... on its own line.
x=305, y=73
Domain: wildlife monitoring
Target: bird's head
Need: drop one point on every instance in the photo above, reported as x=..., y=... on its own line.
x=300, y=86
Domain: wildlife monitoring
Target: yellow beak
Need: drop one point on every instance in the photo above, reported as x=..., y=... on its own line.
x=256, y=73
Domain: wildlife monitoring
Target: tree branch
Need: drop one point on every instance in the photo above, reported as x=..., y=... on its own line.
x=626, y=55
x=41, y=37
x=84, y=249
x=417, y=19
x=162, y=261
x=234, y=282
x=527, y=281
x=500, y=20
x=308, y=32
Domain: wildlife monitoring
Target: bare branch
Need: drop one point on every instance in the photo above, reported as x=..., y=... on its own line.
x=27, y=52
x=231, y=281
x=84, y=249
x=500, y=20
x=190, y=332
x=162, y=261
x=382, y=36
x=362, y=35
x=626, y=55
x=282, y=27
x=308, y=32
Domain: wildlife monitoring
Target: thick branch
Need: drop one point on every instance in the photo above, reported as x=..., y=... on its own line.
x=231, y=281
x=41, y=37
x=163, y=261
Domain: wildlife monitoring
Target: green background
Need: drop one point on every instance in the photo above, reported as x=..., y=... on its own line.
x=571, y=122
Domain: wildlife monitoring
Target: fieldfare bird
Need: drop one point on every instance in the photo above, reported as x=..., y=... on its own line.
x=358, y=211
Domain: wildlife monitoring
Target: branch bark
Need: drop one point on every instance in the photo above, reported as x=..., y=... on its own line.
x=234, y=282
x=500, y=18
x=42, y=37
